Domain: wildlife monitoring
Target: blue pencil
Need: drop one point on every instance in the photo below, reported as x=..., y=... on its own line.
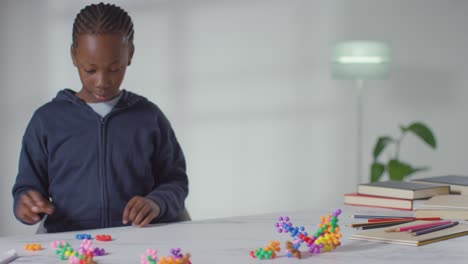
x=434, y=228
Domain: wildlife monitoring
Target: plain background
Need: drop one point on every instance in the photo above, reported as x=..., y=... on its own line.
x=247, y=87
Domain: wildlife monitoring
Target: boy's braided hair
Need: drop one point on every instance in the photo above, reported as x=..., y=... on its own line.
x=103, y=18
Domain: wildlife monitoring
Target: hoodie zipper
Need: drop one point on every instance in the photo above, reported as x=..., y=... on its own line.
x=101, y=162
x=105, y=215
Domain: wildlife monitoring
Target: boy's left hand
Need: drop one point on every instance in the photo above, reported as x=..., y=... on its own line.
x=140, y=211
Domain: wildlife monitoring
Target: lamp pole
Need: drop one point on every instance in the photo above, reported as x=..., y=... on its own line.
x=360, y=86
x=360, y=60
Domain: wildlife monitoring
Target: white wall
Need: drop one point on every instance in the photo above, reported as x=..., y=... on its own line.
x=247, y=87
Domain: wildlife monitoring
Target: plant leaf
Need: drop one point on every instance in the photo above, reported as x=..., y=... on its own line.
x=380, y=145
x=403, y=128
x=398, y=170
x=377, y=170
x=423, y=132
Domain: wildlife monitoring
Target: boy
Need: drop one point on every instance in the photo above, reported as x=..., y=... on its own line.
x=101, y=157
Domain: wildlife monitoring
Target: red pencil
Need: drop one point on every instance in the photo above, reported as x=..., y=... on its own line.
x=408, y=228
x=376, y=220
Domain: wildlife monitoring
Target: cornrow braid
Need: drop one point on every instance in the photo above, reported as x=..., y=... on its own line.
x=103, y=18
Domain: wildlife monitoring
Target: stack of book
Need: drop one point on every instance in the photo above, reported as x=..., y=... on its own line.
x=394, y=194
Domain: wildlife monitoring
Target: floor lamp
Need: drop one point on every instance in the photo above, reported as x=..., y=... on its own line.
x=359, y=61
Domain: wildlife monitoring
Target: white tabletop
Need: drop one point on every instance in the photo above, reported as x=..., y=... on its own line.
x=229, y=240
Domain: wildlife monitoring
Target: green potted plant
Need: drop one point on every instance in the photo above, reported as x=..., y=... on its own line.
x=397, y=169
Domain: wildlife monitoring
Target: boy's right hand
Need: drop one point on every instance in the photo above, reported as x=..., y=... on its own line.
x=31, y=203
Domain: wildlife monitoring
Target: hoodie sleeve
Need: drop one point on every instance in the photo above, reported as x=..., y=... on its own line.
x=170, y=173
x=32, y=170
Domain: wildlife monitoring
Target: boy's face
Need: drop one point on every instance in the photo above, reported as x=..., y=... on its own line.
x=101, y=60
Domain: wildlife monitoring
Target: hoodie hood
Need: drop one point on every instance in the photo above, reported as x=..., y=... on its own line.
x=127, y=100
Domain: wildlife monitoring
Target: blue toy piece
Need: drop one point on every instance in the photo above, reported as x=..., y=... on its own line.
x=83, y=236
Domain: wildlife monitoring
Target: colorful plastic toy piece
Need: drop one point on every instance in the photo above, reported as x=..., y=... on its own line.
x=176, y=253
x=326, y=238
x=99, y=252
x=78, y=258
x=149, y=257
x=86, y=245
x=64, y=251
x=185, y=259
x=33, y=247
x=83, y=256
x=103, y=238
x=83, y=236
x=85, y=253
x=292, y=249
x=268, y=252
x=55, y=244
x=179, y=257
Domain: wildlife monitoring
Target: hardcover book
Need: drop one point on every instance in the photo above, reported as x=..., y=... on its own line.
x=377, y=201
x=453, y=207
x=458, y=184
x=403, y=190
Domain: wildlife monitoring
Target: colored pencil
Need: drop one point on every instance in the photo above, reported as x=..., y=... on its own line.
x=378, y=216
x=379, y=223
x=407, y=228
x=434, y=228
x=422, y=228
x=375, y=220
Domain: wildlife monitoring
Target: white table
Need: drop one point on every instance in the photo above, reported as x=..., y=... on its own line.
x=230, y=240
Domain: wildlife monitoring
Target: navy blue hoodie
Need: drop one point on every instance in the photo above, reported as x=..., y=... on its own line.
x=90, y=167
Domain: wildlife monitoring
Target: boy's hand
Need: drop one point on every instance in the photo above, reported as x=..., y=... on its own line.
x=31, y=203
x=140, y=211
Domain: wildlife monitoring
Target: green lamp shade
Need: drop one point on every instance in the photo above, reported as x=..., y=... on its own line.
x=360, y=60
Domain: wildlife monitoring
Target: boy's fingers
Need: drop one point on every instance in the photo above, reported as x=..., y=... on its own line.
x=148, y=218
x=153, y=212
x=135, y=210
x=34, y=217
x=48, y=208
x=44, y=205
x=27, y=215
x=27, y=200
x=31, y=203
x=141, y=215
x=37, y=198
x=127, y=208
x=27, y=212
x=125, y=215
x=37, y=203
x=27, y=219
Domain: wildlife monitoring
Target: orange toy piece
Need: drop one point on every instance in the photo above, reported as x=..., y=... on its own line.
x=171, y=260
x=33, y=247
x=274, y=246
